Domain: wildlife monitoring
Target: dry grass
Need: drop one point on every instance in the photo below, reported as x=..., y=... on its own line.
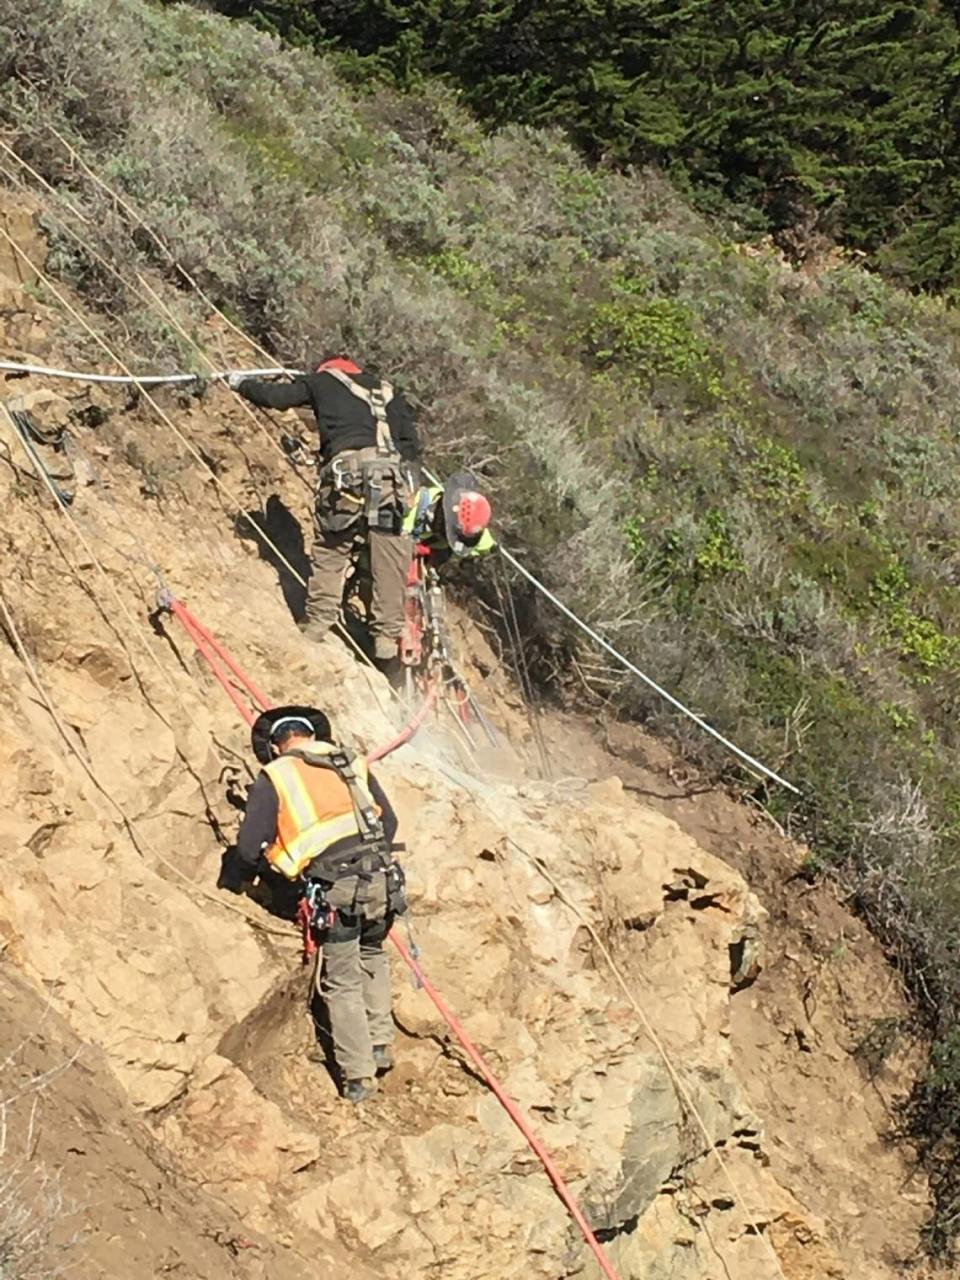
x=37, y=1234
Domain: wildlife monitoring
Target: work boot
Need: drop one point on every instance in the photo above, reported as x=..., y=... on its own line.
x=312, y=629
x=359, y=1090
x=383, y=1058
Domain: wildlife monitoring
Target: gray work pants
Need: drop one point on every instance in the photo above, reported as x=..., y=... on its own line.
x=353, y=974
x=341, y=537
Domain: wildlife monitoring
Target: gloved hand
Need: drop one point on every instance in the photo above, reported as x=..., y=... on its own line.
x=233, y=380
x=234, y=875
x=295, y=449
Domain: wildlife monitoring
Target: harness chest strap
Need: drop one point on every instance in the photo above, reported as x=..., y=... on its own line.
x=364, y=806
x=376, y=399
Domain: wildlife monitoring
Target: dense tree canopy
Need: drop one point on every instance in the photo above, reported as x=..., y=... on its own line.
x=836, y=118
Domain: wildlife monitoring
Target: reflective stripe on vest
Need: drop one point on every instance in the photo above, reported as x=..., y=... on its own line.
x=315, y=809
x=376, y=400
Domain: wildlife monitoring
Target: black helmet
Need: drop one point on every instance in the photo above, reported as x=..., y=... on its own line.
x=268, y=722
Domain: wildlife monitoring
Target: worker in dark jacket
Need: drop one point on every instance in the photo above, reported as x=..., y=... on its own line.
x=369, y=457
x=316, y=816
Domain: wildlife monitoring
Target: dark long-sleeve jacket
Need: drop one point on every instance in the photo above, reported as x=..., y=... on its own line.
x=258, y=830
x=343, y=420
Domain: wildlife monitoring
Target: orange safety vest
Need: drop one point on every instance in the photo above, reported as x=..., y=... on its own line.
x=316, y=807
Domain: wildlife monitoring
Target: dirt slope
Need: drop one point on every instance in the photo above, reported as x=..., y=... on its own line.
x=89, y=1176
x=195, y=1001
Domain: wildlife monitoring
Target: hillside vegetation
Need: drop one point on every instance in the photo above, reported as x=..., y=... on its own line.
x=747, y=476
x=813, y=120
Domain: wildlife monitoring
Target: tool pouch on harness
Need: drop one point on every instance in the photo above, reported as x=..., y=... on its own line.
x=397, y=903
x=319, y=914
x=383, y=493
x=338, y=509
x=361, y=483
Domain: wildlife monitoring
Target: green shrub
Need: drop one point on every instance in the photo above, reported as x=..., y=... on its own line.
x=652, y=338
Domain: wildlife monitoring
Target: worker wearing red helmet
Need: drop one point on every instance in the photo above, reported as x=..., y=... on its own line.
x=368, y=467
x=451, y=520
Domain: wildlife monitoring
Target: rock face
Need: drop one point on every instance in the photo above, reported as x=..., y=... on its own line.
x=113, y=821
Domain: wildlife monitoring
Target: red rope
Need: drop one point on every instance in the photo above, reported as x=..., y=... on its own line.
x=511, y=1108
x=215, y=654
x=213, y=661
x=406, y=734
x=194, y=623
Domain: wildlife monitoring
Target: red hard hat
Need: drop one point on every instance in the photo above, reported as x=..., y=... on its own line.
x=343, y=363
x=473, y=513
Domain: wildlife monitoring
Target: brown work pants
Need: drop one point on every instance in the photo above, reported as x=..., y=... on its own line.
x=338, y=550
x=353, y=974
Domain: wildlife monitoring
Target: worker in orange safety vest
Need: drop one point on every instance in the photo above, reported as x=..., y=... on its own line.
x=316, y=816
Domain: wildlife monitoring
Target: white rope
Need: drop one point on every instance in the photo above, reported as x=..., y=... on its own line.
x=625, y=662
x=595, y=636
x=10, y=366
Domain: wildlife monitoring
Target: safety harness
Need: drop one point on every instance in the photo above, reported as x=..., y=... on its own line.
x=342, y=762
x=377, y=479
x=376, y=399
x=372, y=855
x=313, y=829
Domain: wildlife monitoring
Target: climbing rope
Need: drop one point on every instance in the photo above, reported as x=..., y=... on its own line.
x=145, y=380
x=220, y=661
x=508, y=612
x=131, y=379
x=604, y=644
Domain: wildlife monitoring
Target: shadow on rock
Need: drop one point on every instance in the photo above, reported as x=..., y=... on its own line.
x=282, y=527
